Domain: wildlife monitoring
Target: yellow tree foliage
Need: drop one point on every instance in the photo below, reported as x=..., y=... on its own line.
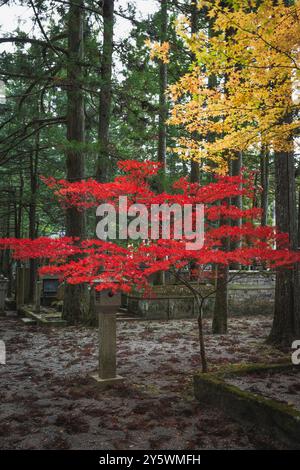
x=158, y=50
x=252, y=51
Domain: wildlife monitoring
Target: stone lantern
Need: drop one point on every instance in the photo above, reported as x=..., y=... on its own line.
x=107, y=305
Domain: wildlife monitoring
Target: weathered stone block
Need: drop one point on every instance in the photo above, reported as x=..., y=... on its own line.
x=267, y=415
x=249, y=293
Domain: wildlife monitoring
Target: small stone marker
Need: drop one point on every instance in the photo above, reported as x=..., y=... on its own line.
x=107, y=308
x=50, y=286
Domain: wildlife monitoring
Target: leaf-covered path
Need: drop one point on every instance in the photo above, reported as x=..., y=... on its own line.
x=48, y=400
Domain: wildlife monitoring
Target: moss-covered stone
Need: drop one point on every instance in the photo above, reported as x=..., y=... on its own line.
x=280, y=419
x=46, y=318
x=248, y=293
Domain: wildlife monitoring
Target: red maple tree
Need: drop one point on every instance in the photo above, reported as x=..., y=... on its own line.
x=128, y=266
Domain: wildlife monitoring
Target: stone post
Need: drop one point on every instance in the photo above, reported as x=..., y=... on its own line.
x=3, y=292
x=107, y=307
x=37, y=296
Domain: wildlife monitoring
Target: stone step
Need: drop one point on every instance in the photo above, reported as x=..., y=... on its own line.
x=124, y=315
x=128, y=318
x=53, y=322
x=123, y=309
x=28, y=321
x=50, y=319
x=11, y=313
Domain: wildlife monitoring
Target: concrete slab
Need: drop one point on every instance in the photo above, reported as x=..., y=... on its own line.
x=107, y=382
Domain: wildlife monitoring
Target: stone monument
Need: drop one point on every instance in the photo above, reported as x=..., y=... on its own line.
x=107, y=306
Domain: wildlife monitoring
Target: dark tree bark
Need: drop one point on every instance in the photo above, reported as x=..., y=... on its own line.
x=163, y=83
x=75, y=301
x=298, y=218
x=195, y=172
x=18, y=206
x=195, y=166
x=18, y=210
x=235, y=170
x=264, y=182
x=286, y=323
x=199, y=303
x=236, y=166
x=220, y=315
x=5, y=231
x=159, y=277
x=34, y=159
x=103, y=163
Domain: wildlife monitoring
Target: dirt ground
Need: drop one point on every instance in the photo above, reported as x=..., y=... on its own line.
x=48, y=401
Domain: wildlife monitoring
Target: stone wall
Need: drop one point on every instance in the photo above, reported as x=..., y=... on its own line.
x=249, y=293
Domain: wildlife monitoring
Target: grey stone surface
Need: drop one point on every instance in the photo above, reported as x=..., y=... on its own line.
x=249, y=292
x=107, y=345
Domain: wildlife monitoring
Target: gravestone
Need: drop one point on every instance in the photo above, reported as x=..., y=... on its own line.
x=107, y=306
x=50, y=285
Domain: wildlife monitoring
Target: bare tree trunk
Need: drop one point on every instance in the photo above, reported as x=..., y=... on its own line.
x=8, y=259
x=286, y=323
x=159, y=277
x=34, y=159
x=219, y=324
x=220, y=313
x=298, y=234
x=264, y=181
x=103, y=162
x=195, y=166
x=163, y=83
x=5, y=231
x=199, y=299
x=19, y=208
x=236, y=167
x=75, y=299
x=195, y=172
x=201, y=335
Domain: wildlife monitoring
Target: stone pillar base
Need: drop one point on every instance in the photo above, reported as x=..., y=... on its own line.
x=107, y=382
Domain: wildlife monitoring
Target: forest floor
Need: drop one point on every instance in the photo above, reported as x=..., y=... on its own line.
x=48, y=401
